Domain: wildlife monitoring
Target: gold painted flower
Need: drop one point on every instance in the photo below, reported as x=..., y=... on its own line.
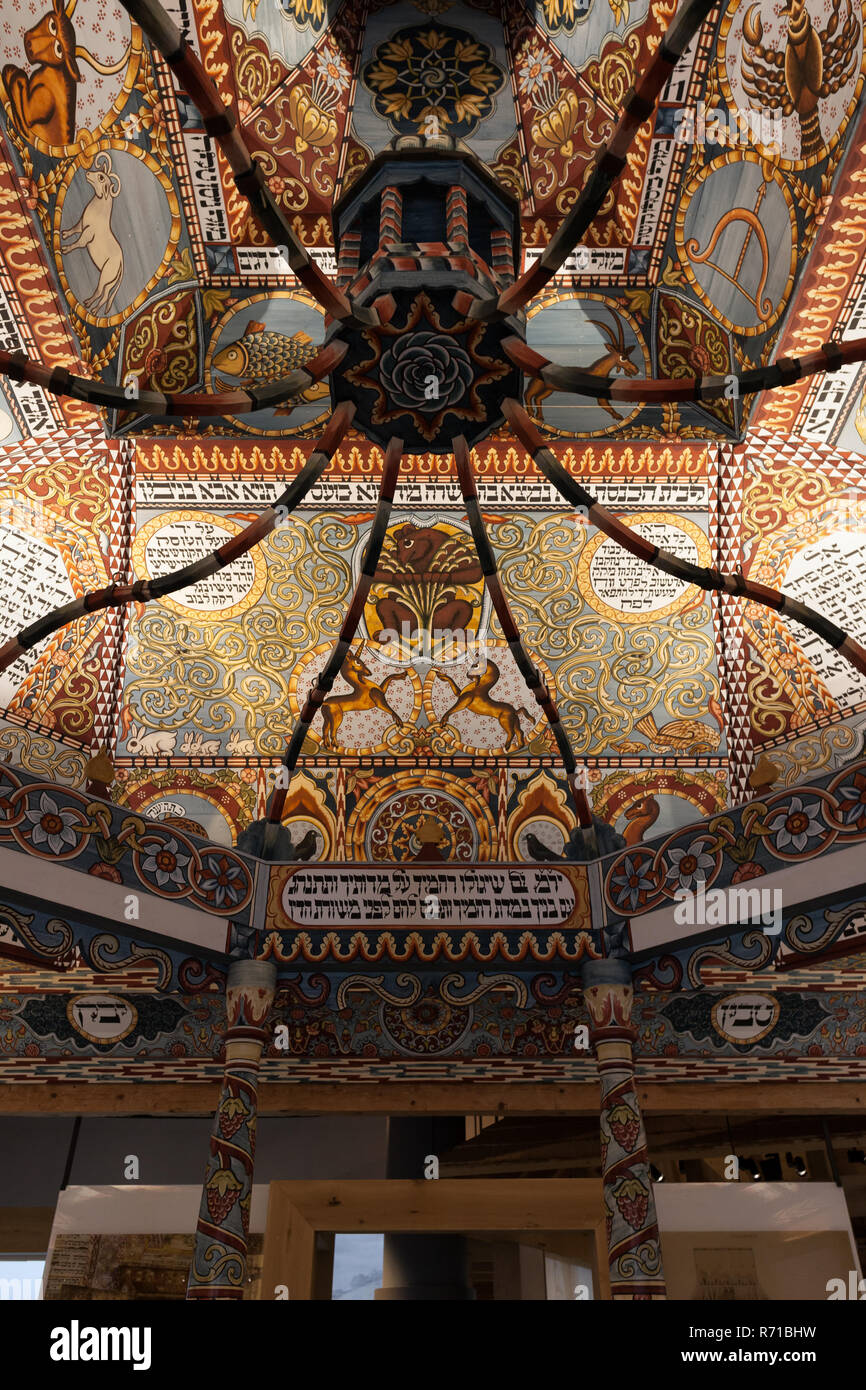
x=441, y=72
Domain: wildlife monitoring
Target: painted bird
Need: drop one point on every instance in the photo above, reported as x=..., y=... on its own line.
x=679, y=735
x=262, y=355
x=541, y=853
x=306, y=846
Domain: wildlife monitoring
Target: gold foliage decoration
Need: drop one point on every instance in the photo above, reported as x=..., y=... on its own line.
x=222, y=676
x=609, y=674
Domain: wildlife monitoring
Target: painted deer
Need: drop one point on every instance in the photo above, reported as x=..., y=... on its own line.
x=92, y=233
x=365, y=694
x=44, y=102
x=476, y=697
x=617, y=359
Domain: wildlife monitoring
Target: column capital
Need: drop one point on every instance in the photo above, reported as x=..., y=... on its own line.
x=255, y=974
x=608, y=995
x=610, y=970
x=250, y=988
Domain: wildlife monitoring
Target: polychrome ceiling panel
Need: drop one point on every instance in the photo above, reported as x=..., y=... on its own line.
x=733, y=235
x=691, y=262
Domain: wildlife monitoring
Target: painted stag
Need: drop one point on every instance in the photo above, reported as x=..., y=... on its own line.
x=616, y=359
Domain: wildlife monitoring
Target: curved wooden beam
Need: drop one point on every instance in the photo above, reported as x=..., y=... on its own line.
x=197, y=404
x=530, y=674
x=705, y=578
x=786, y=370
x=331, y=670
x=221, y=122
x=145, y=590
x=639, y=104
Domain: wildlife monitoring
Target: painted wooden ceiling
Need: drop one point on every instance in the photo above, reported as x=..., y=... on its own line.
x=736, y=233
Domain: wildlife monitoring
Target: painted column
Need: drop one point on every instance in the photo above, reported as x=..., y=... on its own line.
x=219, y=1262
x=456, y=216
x=501, y=253
x=350, y=257
x=634, y=1250
x=391, y=217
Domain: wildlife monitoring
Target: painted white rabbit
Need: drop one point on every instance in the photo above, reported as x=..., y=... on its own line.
x=238, y=746
x=142, y=744
x=195, y=745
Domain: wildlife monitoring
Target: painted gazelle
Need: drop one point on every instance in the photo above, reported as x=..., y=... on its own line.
x=616, y=359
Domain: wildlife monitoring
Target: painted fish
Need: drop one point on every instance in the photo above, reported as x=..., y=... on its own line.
x=261, y=355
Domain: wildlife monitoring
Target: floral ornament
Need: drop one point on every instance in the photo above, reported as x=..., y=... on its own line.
x=426, y=371
x=797, y=825
x=10, y=814
x=303, y=12
x=852, y=801
x=560, y=118
x=689, y=865
x=225, y=882
x=331, y=71
x=52, y=826
x=633, y=882
x=535, y=76
x=439, y=73
x=150, y=119
x=100, y=870
x=404, y=361
x=567, y=14
x=166, y=863
x=748, y=869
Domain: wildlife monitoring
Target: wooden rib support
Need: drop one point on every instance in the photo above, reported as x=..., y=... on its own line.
x=221, y=123
x=146, y=590
x=530, y=674
x=665, y=560
x=787, y=370
x=331, y=670
x=639, y=105
x=192, y=404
